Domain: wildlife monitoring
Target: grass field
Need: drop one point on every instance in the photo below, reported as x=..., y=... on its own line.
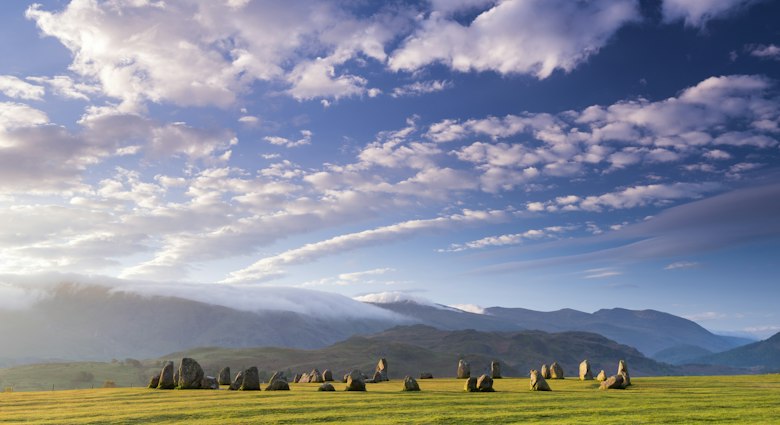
x=676, y=400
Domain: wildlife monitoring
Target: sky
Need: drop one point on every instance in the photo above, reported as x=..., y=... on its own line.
x=542, y=154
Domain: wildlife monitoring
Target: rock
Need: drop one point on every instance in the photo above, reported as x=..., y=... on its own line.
x=327, y=375
x=426, y=375
x=485, y=384
x=251, y=381
x=277, y=375
x=410, y=384
x=154, y=381
x=538, y=383
x=585, y=372
x=190, y=374
x=237, y=382
x=377, y=377
x=176, y=376
x=545, y=372
x=326, y=387
x=471, y=384
x=344, y=380
x=381, y=369
x=614, y=382
x=315, y=376
x=224, y=376
x=209, y=383
x=601, y=376
x=297, y=378
x=278, y=384
x=166, y=381
x=623, y=370
x=495, y=370
x=464, y=369
x=556, y=371
x=304, y=378
x=355, y=381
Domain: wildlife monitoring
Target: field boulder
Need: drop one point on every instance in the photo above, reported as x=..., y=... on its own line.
x=209, y=383
x=464, y=369
x=485, y=384
x=326, y=386
x=585, y=373
x=538, y=383
x=355, y=381
x=614, y=382
x=410, y=384
x=278, y=384
x=426, y=375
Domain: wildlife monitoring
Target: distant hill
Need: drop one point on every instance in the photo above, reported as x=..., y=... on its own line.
x=762, y=356
x=681, y=354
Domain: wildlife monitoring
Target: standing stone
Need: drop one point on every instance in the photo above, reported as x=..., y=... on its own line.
x=251, y=381
x=585, y=372
x=327, y=386
x=304, y=378
x=190, y=374
x=556, y=371
x=495, y=370
x=209, y=383
x=327, y=375
x=224, y=376
x=623, y=370
x=485, y=384
x=154, y=381
x=381, y=369
x=464, y=369
x=538, y=383
x=277, y=375
x=601, y=376
x=410, y=384
x=471, y=384
x=614, y=382
x=545, y=372
x=355, y=381
x=238, y=381
x=426, y=375
x=297, y=378
x=315, y=376
x=278, y=383
x=166, y=381
x=176, y=376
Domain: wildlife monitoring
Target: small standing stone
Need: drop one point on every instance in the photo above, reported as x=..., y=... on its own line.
x=297, y=378
x=614, y=382
x=556, y=371
x=355, y=381
x=485, y=384
x=495, y=370
x=166, y=381
x=327, y=386
x=238, y=381
x=315, y=376
x=623, y=370
x=471, y=384
x=602, y=376
x=426, y=375
x=585, y=372
x=304, y=378
x=545, y=371
x=251, y=381
x=278, y=384
x=538, y=383
x=209, y=383
x=224, y=376
x=277, y=375
x=464, y=369
x=154, y=381
x=410, y=384
x=327, y=375
x=381, y=369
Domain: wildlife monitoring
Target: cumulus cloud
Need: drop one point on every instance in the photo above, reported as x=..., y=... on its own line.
x=698, y=13
x=507, y=239
x=764, y=51
x=418, y=88
x=281, y=141
x=469, y=308
x=16, y=88
x=64, y=86
x=391, y=297
x=525, y=37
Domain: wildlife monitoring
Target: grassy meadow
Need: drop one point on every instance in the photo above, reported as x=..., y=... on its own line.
x=673, y=400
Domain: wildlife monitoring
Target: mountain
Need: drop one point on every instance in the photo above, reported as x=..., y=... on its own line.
x=649, y=331
x=762, y=356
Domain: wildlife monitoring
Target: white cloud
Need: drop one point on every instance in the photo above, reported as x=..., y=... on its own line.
x=682, y=265
x=763, y=51
x=704, y=316
x=505, y=240
x=16, y=88
x=697, y=13
x=64, y=86
x=418, y=88
x=601, y=273
x=15, y=115
x=392, y=297
x=527, y=37
x=469, y=308
x=281, y=141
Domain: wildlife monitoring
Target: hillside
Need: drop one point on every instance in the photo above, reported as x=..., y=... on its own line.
x=762, y=356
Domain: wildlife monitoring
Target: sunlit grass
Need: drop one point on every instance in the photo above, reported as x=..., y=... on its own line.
x=673, y=400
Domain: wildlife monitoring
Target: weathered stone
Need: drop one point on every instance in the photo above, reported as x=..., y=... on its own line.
x=209, y=383
x=464, y=369
x=381, y=369
x=277, y=375
x=356, y=381
x=176, y=376
x=344, y=380
x=238, y=381
x=297, y=378
x=377, y=377
x=614, y=382
x=426, y=375
x=545, y=371
x=327, y=375
x=585, y=372
x=485, y=384
x=326, y=387
x=224, y=376
x=471, y=384
x=304, y=378
x=251, y=381
x=538, y=383
x=623, y=370
x=602, y=376
x=410, y=384
x=278, y=384
x=154, y=381
x=190, y=374
x=556, y=371
x=315, y=376
x=495, y=370
x=166, y=381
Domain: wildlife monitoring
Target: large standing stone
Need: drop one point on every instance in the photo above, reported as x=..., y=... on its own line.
x=224, y=376
x=602, y=376
x=166, y=381
x=585, y=372
x=355, y=381
x=426, y=375
x=315, y=376
x=327, y=386
x=209, y=383
x=495, y=370
x=556, y=371
x=381, y=369
x=538, y=383
x=410, y=384
x=251, y=381
x=238, y=381
x=471, y=384
x=545, y=372
x=464, y=369
x=485, y=384
x=277, y=375
x=614, y=382
x=154, y=381
x=190, y=374
x=623, y=370
x=327, y=375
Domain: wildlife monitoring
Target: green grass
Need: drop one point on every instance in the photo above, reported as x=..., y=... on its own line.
x=672, y=400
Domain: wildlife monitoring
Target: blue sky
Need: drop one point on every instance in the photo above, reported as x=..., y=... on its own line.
x=538, y=154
